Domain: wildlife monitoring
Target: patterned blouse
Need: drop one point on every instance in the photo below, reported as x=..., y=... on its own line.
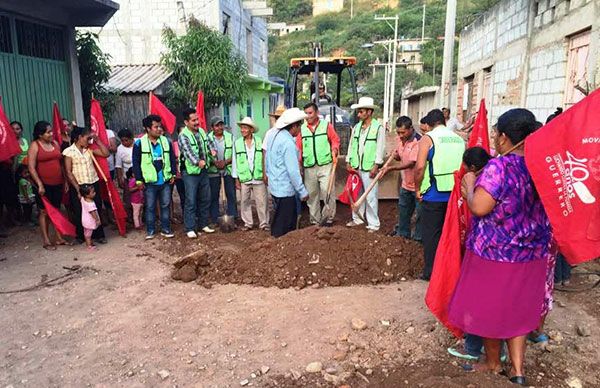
x=517, y=230
x=83, y=166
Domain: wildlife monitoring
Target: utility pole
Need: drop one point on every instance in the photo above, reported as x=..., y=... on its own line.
x=423, y=26
x=351, y=9
x=394, y=58
x=390, y=85
x=448, y=53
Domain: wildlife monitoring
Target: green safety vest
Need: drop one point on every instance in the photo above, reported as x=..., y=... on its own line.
x=367, y=161
x=228, y=151
x=241, y=160
x=24, y=148
x=149, y=172
x=315, y=146
x=448, y=149
x=194, y=169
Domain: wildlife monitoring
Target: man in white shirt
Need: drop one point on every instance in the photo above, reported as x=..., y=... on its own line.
x=123, y=157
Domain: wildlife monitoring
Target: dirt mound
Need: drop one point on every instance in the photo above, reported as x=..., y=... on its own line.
x=315, y=257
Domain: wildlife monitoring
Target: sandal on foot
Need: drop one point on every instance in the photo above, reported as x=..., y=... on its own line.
x=462, y=354
x=64, y=242
x=542, y=337
x=49, y=247
x=519, y=380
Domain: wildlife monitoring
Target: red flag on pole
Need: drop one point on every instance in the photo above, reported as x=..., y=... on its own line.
x=200, y=111
x=563, y=158
x=99, y=128
x=167, y=117
x=9, y=145
x=58, y=127
x=60, y=222
x=448, y=258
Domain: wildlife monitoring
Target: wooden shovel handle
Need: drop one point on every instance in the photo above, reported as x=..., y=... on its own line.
x=363, y=197
x=331, y=180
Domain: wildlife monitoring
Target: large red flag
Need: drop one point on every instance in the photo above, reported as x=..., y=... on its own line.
x=99, y=128
x=167, y=117
x=448, y=258
x=200, y=111
x=9, y=145
x=60, y=222
x=57, y=124
x=563, y=158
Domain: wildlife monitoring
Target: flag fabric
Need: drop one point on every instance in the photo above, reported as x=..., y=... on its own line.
x=351, y=190
x=200, y=111
x=563, y=158
x=58, y=127
x=9, y=145
x=448, y=258
x=60, y=222
x=107, y=187
x=167, y=117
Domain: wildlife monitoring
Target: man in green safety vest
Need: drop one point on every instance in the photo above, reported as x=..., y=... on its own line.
x=154, y=168
x=220, y=169
x=365, y=157
x=248, y=172
x=440, y=154
x=195, y=157
x=319, y=145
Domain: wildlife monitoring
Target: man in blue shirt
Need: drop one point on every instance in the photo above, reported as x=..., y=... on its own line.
x=283, y=171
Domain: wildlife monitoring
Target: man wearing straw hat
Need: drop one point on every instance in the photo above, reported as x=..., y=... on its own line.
x=248, y=173
x=365, y=156
x=220, y=169
x=283, y=171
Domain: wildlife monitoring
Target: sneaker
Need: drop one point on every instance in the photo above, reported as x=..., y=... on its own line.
x=150, y=236
x=353, y=223
x=371, y=230
x=167, y=234
x=208, y=229
x=266, y=228
x=245, y=228
x=192, y=234
x=462, y=354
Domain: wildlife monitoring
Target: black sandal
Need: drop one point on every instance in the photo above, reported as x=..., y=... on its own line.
x=519, y=380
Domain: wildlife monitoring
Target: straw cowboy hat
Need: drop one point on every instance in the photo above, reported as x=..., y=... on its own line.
x=364, y=103
x=248, y=121
x=278, y=112
x=290, y=116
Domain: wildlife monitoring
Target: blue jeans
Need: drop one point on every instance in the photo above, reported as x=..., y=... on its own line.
x=562, y=270
x=215, y=193
x=197, y=201
x=162, y=195
x=407, y=204
x=473, y=345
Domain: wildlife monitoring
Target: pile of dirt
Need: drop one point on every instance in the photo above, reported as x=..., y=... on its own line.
x=309, y=257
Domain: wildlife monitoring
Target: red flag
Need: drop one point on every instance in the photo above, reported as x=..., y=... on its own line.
x=563, y=158
x=448, y=258
x=352, y=189
x=107, y=188
x=158, y=108
x=60, y=222
x=57, y=124
x=9, y=145
x=200, y=111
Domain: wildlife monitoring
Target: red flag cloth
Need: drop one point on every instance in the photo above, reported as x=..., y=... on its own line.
x=448, y=258
x=58, y=127
x=9, y=145
x=158, y=108
x=563, y=158
x=60, y=222
x=107, y=187
x=353, y=187
x=200, y=111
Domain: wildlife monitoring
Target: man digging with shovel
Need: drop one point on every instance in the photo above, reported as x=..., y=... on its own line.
x=319, y=145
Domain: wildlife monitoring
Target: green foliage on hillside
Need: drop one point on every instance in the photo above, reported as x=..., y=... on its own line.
x=288, y=11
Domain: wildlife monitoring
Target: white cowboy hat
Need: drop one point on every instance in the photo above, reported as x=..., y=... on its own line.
x=364, y=103
x=290, y=116
x=248, y=121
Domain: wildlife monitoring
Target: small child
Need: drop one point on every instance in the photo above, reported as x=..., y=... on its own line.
x=90, y=220
x=136, y=197
x=475, y=159
x=26, y=196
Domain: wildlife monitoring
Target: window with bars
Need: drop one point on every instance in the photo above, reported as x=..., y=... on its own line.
x=5, y=36
x=36, y=40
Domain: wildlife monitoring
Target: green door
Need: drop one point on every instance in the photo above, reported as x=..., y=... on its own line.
x=34, y=71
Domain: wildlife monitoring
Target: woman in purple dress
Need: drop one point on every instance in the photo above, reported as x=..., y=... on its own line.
x=501, y=290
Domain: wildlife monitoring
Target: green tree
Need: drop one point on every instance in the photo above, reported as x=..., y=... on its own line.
x=204, y=59
x=94, y=72
x=290, y=11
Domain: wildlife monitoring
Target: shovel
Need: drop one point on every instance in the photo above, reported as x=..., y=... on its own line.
x=226, y=222
x=327, y=211
x=363, y=197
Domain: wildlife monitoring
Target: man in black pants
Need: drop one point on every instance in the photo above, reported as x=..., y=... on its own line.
x=440, y=154
x=283, y=171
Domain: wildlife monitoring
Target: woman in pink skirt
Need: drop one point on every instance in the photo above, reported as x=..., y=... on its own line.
x=501, y=290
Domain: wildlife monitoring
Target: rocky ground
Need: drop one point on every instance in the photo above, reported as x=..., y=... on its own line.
x=120, y=320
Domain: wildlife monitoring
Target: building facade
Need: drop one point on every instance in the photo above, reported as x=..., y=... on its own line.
x=38, y=57
x=133, y=37
x=537, y=54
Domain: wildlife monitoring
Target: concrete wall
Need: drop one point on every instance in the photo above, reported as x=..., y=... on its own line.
x=524, y=45
x=324, y=6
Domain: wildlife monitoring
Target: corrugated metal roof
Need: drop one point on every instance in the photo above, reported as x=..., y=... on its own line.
x=137, y=78
x=423, y=90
